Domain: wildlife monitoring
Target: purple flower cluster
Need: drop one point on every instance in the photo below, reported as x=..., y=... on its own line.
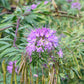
x=40, y=40
x=10, y=66
x=76, y=5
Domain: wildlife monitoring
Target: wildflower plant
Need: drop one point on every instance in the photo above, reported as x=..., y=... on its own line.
x=58, y=59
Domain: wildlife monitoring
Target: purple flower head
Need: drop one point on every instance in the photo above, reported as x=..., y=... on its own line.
x=33, y=6
x=81, y=40
x=60, y=53
x=10, y=66
x=40, y=40
x=36, y=75
x=76, y=5
x=69, y=1
x=45, y=2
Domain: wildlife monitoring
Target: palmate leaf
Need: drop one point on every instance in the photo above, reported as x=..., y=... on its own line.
x=36, y=18
x=4, y=47
x=6, y=51
x=5, y=25
x=17, y=57
x=30, y=19
x=3, y=42
x=11, y=54
x=27, y=26
x=6, y=39
x=8, y=18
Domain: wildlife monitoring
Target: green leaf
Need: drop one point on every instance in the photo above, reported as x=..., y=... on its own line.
x=6, y=4
x=76, y=72
x=5, y=25
x=66, y=33
x=3, y=42
x=11, y=54
x=8, y=50
x=58, y=80
x=6, y=39
x=8, y=18
x=62, y=75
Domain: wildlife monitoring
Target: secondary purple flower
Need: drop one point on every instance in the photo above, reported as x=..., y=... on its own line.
x=60, y=53
x=10, y=66
x=76, y=5
x=81, y=40
x=45, y=2
x=28, y=9
x=35, y=75
x=69, y=1
x=33, y=6
x=40, y=40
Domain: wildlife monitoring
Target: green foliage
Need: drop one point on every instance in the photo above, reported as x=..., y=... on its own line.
x=69, y=30
x=5, y=3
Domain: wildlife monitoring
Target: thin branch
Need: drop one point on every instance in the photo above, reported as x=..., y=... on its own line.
x=67, y=16
x=3, y=13
x=62, y=12
x=18, y=22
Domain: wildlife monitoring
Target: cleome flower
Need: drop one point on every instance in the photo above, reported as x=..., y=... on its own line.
x=10, y=66
x=40, y=40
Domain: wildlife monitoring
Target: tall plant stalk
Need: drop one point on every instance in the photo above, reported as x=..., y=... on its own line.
x=4, y=71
